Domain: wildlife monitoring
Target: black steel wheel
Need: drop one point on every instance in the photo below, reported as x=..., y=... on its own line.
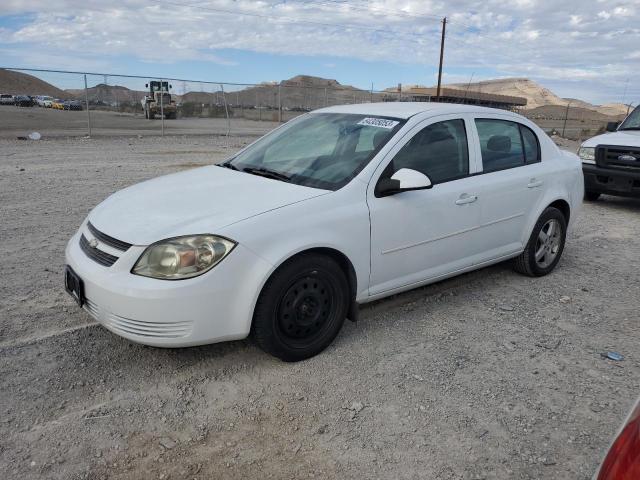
x=302, y=307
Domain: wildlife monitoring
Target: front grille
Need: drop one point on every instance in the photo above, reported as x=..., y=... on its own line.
x=107, y=240
x=148, y=329
x=608, y=156
x=103, y=258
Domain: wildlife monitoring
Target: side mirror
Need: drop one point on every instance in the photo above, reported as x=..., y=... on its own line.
x=404, y=180
x=612, y=126
x=146, y=85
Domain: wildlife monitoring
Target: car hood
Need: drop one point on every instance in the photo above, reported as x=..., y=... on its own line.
x=202, y=200
x=623, y=138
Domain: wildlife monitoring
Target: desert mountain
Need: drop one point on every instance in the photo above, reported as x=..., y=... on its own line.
x=613, y=109
x=109, y=94
x=301, y=91
x=537, y=95
x=16, y=83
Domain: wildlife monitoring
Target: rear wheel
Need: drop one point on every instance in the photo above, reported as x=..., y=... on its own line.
x=302, y=308
x=545, y=246
x=591, y=196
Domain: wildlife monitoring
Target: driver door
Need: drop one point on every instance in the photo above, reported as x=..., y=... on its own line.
x=420, y=235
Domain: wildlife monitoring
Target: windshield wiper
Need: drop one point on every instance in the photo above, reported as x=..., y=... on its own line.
x=265, y=172
x=630, y=128
x=228, y=165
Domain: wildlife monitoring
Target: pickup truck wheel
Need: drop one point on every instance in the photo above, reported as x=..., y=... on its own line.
x=545, y=246
x=591, y=196
x=301, y=308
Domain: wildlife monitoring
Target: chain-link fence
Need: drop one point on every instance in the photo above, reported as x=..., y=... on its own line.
x=78, y=103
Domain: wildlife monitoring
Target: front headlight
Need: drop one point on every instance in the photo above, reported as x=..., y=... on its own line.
x=182, y=257
x=587, y=154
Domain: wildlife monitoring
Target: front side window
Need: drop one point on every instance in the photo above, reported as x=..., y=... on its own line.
x=632, y=122
x=440, y=151
x=321, y=150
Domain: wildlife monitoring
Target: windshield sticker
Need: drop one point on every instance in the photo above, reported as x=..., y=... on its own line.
x=378, y=122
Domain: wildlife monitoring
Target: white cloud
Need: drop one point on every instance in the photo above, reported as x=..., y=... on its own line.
x=562, y=43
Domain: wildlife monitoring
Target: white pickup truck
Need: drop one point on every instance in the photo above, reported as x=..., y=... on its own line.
x=611, y=161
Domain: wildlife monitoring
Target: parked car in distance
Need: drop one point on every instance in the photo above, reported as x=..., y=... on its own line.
x=72, y=105
x=23, y=101
x=611, y=162
x=44, y=101
x=6, y=99
x=622, y=461
x=336, y=208
x=57, y=104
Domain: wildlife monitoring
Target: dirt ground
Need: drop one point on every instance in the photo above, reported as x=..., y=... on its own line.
x=490, y=375
x=15, y=121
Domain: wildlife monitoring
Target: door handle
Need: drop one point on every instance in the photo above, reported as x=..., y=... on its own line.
x=466, y=198
x=533, y=183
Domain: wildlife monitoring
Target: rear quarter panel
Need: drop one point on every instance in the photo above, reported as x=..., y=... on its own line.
x=563, y=180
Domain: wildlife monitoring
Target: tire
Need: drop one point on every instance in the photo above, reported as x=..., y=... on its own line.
x=301, y=308
x=551, y=252
x=591, y=196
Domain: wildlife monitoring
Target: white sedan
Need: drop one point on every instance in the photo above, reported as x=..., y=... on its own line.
x=335, y=208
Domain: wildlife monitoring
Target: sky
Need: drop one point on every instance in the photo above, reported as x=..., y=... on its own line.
x=586, y=49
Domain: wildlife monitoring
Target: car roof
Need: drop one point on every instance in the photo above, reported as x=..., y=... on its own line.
x=407, y=109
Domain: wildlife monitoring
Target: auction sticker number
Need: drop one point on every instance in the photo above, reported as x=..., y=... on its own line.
x=378, y=122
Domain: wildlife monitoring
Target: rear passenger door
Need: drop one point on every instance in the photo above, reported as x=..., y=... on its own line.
x=510, y=184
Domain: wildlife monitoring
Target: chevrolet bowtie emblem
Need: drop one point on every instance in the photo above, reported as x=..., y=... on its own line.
x=93, y=243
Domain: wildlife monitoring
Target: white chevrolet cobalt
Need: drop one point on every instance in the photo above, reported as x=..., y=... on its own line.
x=335, y=208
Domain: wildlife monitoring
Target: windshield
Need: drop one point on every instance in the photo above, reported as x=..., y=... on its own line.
x=632, y=122
x=321, y=150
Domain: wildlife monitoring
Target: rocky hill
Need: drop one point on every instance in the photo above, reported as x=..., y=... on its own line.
x=108, y=94
x=16, y=83
x=537, y=95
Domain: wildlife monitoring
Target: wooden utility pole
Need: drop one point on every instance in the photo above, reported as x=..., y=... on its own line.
x=444, y=27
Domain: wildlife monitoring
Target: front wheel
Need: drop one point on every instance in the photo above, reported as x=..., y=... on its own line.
x=301, y=308
x=545, y=246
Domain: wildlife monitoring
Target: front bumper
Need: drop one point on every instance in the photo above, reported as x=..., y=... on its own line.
x=213, y=307
x=611, y=181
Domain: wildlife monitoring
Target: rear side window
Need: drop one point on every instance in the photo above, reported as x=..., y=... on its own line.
x=440, y=151
x=505, y=144
x=500, y=144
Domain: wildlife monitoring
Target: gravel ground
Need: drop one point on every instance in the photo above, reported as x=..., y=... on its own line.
x=16, y=122
x=488, y=375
